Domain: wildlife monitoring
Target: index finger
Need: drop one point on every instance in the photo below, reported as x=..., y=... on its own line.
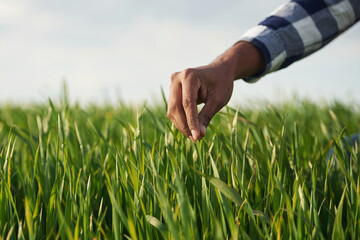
x=190, y=88
x=175, y=111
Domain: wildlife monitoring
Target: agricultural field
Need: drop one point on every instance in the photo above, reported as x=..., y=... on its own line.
x=122, y=172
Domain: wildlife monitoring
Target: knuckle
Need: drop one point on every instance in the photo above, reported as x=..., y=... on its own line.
x=188, y=71
x=184, y=130
x=187, y=102
x=171, y=110
x=188, y=74
x=192, y=77
x=174, y=76
x=191, y=122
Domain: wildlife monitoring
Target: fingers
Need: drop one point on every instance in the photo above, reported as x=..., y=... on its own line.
x=211, y=84
x=190, y=88
x=202, y=131
x=211, y=107
x=182, y=105
x=182, y=128
x=175, y=110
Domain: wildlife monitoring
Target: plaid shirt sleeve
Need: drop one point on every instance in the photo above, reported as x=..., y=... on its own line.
x=299, y=28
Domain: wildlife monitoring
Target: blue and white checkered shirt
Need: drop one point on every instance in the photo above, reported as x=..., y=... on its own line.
x=299, y=28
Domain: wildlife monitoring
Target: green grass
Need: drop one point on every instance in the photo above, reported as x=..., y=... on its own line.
x=120, y=172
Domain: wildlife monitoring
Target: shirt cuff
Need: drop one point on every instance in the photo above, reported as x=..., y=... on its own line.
x=271, y=46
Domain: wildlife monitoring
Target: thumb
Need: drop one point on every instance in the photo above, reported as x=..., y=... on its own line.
x=210, y=108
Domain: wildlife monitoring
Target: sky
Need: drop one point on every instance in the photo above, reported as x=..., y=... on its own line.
x=125, y=50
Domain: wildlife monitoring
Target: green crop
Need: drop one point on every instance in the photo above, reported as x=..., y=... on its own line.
x=124, y=172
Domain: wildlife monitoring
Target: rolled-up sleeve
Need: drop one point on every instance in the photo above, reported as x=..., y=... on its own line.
x=299, y=28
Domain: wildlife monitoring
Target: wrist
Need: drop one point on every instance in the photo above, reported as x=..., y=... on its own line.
x=243, y=60
x=227, y=64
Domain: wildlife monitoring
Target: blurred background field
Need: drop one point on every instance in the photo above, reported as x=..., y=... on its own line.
x=124, y=172
x=101, y=160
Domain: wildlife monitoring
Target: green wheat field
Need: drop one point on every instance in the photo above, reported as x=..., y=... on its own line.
x=280, y=171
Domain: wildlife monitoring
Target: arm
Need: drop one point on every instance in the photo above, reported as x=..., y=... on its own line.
x=292, y=32
x=299, y=28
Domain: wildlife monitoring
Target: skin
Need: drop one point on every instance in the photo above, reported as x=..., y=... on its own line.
x=210, y=84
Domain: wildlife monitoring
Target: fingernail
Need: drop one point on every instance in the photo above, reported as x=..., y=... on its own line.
x=203, y=130
x=192, y=139
x=195, y=135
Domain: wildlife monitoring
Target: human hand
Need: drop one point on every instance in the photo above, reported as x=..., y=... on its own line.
x=211, y=84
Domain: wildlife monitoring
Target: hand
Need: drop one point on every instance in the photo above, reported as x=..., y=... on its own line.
x=211, y=84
